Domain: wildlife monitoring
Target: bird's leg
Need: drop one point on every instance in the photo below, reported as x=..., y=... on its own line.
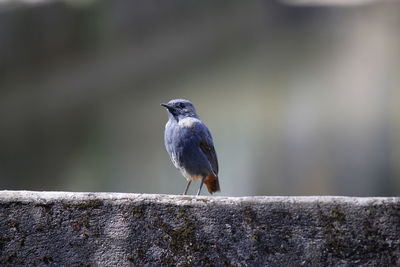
x=201, y=185
x=187, y=187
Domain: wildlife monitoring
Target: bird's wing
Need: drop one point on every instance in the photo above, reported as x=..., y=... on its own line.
x=207, y=146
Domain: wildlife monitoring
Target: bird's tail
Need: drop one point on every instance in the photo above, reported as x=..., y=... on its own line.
x=212, y=183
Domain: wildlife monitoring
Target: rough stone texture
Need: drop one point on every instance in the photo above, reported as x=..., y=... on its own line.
x=115, y=229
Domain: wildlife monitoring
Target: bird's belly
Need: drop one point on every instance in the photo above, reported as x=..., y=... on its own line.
x=183, y=146
x=190, y=177
x=192, y=163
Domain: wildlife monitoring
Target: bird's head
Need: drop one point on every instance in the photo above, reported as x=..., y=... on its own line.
x=180, y=108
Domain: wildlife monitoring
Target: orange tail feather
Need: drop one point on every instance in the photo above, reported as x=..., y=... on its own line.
x=212, y=184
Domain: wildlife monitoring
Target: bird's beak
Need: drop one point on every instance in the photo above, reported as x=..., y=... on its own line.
x=166, y=105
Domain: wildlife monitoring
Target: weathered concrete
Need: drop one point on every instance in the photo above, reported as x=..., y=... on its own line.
x=114, y=229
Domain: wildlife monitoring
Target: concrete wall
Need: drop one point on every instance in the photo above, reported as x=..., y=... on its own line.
x=114, y=229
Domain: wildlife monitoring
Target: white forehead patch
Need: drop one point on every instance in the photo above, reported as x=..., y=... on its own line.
x=188, y=122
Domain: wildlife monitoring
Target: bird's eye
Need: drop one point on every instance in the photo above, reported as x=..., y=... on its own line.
x=181, y=105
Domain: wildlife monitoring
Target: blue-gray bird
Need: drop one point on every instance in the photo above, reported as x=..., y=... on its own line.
x=190, y=146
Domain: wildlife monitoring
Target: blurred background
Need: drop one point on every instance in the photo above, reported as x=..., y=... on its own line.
x=300, y=95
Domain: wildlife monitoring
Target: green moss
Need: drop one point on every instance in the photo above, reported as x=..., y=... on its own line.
x=47, y=207
x=344, y=241
x=81, y=223
x=139, y=211
x=182, y=240
x=9, y=258
x=138, y=257
x=3, y=241
x=249, y=215
x=14, y=224
x=47, y=259
x=87, y=204
x=333, y=232
x=22, y=242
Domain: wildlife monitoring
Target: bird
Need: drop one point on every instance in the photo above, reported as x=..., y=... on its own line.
x=190, y=145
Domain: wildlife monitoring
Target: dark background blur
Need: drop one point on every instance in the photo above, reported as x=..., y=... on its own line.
x=301, y=98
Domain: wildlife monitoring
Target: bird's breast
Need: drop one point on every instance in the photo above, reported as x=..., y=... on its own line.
x=188, y=122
